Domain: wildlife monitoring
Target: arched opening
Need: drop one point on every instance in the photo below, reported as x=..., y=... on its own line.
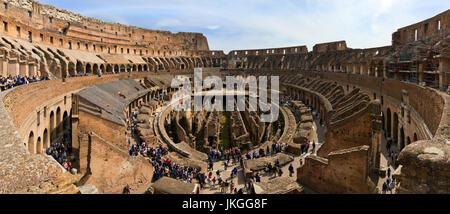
x=388, y=122
x=408, y=141
x=71, y=69
x=402, y=139
x=134, y=68
x=45, y=139
x=122, y=68
x=395, y=128
x=39, y=149
x=80, y=68
x=415, y=138
x=65, y=123
x=109, y=69
x=95, y=69
x=139, y=68
x=88, y=68
x=102, y=68
x=31, y=143
x=145, y=68
x=116, y=69
x=52, y=126
x=128, y=68
x=58, y=119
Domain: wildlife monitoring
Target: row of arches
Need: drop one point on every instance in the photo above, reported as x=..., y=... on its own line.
x=392, y=130
x=58, y=123
x=153, y=64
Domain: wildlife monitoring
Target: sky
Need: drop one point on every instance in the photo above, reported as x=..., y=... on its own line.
x=256, y=24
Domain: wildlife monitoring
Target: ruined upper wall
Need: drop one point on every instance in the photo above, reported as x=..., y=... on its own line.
x=267, y=51
x=30, y=20
x=437, y=25
x=330, y=46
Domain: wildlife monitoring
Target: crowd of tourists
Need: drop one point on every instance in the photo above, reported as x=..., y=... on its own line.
x=61, y=151
x=13, y=81
x=166, y=167
x=276, y=148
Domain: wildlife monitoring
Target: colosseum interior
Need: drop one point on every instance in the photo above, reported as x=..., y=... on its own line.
x=98, y=114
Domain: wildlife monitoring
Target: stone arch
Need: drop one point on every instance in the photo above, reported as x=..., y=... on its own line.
x=408, y=140
x=139, y=67
x=52, y=124
x=415, y=138
x=109, y=68
x=116, y=69
x=128, y=68
x=395, y=128
x=80, y=68
x=134, y=68
x=102, y=68
x=39, y=149
x=95, y=69
x=31, y=145
x=45, y=139
x=58, y=119
x=402, y=138
x=88, y=68
x=145, y=67
x=65, y=122
x=122, y=68
x=72, y=69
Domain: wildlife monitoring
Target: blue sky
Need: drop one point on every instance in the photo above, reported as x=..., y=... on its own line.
x=251, y=24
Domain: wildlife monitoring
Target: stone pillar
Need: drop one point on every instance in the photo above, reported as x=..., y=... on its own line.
x=384, y=70
x=4, y=67
x=420, y=72
x=13, y=68
x=444, y=70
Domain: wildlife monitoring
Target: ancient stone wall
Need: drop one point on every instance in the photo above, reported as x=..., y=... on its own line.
x=345, y=171
x=45, y=21
x=424, y=29
x=112, y=168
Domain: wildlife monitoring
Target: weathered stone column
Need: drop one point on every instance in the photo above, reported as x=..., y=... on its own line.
x=420, y=72
x=444, y=70
x=4, y=67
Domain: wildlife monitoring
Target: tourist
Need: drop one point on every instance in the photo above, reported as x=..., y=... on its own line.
x=257, y=178
x=392, y=185
x=247, y=156
x=234, y=172
x=222, y=186
x=225, y=165
x=127, y=189
x=291, y=170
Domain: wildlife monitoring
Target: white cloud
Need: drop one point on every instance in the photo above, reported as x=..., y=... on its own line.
x=213, y=27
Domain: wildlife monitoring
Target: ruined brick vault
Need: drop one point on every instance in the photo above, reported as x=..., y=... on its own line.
x=100, y=72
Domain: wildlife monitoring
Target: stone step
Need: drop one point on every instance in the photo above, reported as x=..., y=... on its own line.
x=64, y=180
x=60, y=178
x=65, y=190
